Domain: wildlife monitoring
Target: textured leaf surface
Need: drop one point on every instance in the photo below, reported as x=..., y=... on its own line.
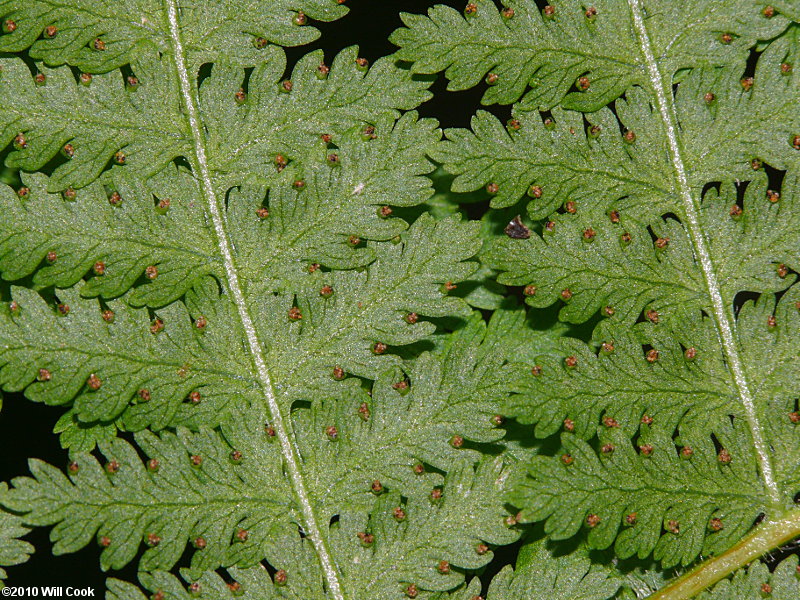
x=758, y=581
x=212, y=29
x=665, y=500
x=13, y=550
x=192, y=347
x=211, y=486
x=603, y=263
x=242, y=516
x=622, y=161
x=539, y=55
x=541, y=573
x=144, y=122
x=97, y=120
x=673, y=480
x=221, y=267
x=146, y=376
x=237, y=283
x=123, y=239
x=663, y=217
x=127, y=234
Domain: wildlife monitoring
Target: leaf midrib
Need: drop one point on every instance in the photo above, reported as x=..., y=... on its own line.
x=722, y=496
x=232, y=501
x=119, y=123
x=585, y=171
x=497, y=46
x=283, y=427
x=722, y=318
x=160, y=362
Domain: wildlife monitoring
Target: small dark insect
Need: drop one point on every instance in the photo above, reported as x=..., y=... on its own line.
x=517, y=230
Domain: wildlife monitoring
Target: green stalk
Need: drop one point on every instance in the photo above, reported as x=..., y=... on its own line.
x=767, y=536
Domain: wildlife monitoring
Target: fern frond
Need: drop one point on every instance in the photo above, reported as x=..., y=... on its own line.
x=117, y=360
x=758, y=581
x=661, y=208
x=266, y=347
x=635, y=266
x=251, y=584
x=61, y=32
x=112, y=235
x=520, y=47
x=542, y=572
x=619, y=159
x=674, y=502
x=551, y=164
x=13, y=550
x=320, y=217
x=145, y=370
x=673, y=484
x=612, y=377
x=103, y=120
x=227, y=504
x=364, y=455
x=279, y=291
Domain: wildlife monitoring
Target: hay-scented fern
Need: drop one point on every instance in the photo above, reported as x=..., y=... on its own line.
x=659, y=145
x=273, y=383
x=216, y=267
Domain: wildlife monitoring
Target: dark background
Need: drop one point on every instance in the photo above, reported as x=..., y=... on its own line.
x=26, y=428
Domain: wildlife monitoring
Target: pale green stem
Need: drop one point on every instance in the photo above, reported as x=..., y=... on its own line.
x=767, y=536
x=723, y=316
x=215, y=206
